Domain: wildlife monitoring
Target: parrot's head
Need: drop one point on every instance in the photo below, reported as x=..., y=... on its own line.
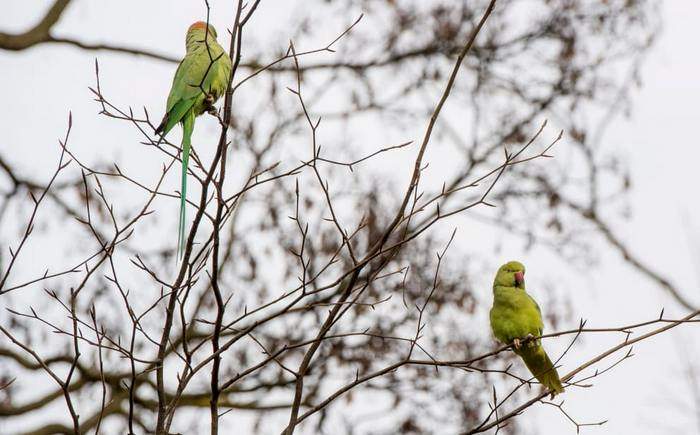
x=199, y=29
x=511, y=274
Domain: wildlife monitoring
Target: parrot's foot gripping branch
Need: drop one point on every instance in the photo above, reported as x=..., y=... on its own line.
x=209, y=101
x=528, y=340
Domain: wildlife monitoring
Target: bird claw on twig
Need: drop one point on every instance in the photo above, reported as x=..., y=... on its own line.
x=209, y=105
x=530, y=339
x=516, y=343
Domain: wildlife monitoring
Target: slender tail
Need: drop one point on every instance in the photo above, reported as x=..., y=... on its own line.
x=541, y=366
x=187, y=128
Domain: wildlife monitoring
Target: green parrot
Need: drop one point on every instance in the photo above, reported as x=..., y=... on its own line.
x=515, y=316
x=192, y=94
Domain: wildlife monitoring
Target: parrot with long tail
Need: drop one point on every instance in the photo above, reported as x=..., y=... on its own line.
x=516, y=319
x=200, y=80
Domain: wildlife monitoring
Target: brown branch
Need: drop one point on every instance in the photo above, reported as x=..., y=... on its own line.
x=41, y=33
x=113, y=48
x=216, y=231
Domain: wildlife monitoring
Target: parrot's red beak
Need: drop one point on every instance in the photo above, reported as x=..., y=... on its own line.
x=519, y=278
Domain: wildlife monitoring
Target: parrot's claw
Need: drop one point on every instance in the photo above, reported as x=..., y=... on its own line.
x=516, y=343
x=209, y=101
x=209, y=105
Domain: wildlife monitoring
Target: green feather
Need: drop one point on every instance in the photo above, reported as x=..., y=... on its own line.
x=177, y=114
x=187, y=128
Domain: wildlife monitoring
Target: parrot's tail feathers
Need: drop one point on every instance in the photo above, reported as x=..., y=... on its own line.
x=181, y=226
x=182, y=215
x=541, y=367
x=187, y=127
x=550, y=379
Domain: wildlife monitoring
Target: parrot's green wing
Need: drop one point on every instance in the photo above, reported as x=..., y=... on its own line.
x=539, y=316
x=184, y=92
x=177, y=114
x=187, y=79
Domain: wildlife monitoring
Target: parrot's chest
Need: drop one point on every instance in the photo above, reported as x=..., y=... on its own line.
x=514, y=316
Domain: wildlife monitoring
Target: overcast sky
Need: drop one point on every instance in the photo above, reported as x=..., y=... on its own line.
x=660, y=141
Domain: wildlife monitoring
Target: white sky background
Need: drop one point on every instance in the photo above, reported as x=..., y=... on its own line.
x=660, y=140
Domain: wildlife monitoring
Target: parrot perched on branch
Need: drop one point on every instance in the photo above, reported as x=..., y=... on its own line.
x=201, y=78
x=515, y=317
